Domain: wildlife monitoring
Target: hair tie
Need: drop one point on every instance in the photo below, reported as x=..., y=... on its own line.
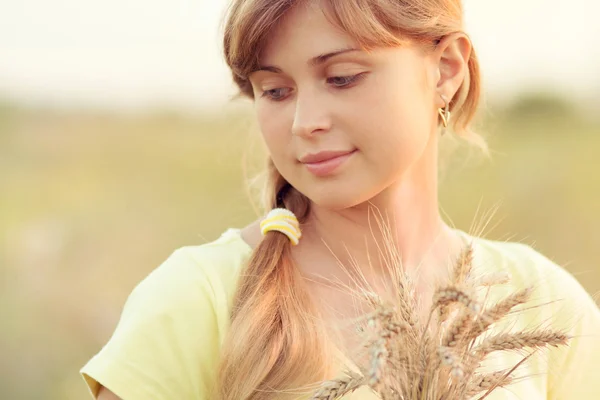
x=284, y=221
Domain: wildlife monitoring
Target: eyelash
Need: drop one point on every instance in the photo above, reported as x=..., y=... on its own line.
x=350, y=79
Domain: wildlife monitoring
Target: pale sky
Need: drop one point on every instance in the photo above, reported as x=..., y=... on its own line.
x=133, y=53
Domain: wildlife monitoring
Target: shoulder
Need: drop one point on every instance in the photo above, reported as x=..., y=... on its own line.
x=180, y=311
x=524, y=263
x=562, y=294
x=210, y=270
x=558, y=302
x=511, y=255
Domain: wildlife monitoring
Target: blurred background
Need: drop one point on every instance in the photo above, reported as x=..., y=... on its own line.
x=119, y=144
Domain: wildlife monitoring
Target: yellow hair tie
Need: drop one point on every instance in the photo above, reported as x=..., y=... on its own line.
x=284, y=221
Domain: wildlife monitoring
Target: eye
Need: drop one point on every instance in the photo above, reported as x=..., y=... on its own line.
x=274, y=94
x=342, y=81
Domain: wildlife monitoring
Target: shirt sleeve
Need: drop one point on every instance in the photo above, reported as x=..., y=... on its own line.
x=573, y=369
x=166, y=342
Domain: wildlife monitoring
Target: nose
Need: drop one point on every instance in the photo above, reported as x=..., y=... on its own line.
x=311, y=116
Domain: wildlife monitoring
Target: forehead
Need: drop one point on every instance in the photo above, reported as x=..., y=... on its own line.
x=305, y=30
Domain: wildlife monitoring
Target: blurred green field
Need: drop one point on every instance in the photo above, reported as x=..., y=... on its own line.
x=91, y=202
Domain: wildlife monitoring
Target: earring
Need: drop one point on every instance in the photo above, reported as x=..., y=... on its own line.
x=445, y=113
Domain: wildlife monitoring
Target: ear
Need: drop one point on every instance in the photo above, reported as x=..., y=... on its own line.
x=451, y=58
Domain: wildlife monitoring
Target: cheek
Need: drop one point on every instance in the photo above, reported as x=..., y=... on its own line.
x=394, y=123
x=274, y=127
x=396, y=111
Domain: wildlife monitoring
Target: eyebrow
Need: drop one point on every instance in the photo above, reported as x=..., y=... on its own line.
x=313, y=62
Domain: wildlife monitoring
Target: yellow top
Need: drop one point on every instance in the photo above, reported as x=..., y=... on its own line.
x=166, y=344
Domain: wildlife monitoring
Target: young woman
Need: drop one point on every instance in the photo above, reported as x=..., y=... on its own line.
x=351, y=98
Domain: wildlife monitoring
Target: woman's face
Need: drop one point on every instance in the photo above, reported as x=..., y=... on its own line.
x=378, y=108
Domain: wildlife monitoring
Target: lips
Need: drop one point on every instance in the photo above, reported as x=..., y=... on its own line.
x=323, y=156
x=326, y=162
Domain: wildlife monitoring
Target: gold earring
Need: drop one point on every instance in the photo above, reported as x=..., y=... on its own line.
x=445, y=113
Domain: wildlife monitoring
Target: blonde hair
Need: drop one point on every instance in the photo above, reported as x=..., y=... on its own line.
x=274, y=344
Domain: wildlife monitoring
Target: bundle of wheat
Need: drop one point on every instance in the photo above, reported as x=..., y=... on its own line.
x=439, y=359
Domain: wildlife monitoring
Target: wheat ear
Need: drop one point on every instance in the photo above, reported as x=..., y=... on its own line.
x=521, y=340
x=497, y=312
x=337, y=388
x=487, y=381
x=460, y=273
x=454, y=294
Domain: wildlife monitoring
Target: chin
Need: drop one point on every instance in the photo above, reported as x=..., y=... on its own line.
x=336, y=200
x=332, y=204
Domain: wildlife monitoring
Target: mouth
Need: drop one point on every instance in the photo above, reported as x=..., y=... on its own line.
x=325, y=163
